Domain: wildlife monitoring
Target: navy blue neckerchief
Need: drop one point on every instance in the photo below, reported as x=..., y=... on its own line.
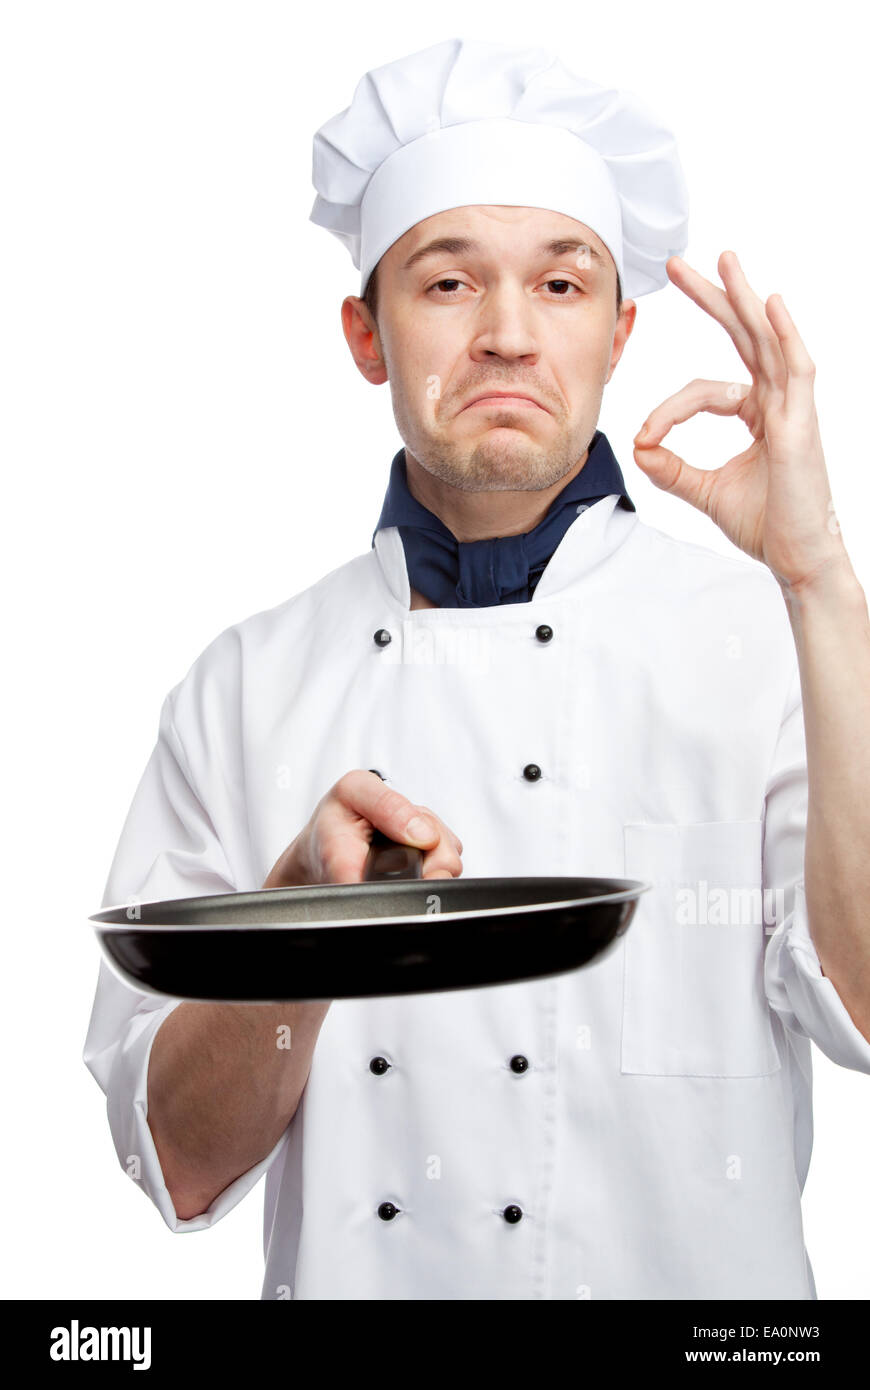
x=504, y=569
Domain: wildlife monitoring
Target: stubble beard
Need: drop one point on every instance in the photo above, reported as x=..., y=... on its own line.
x=499, y=462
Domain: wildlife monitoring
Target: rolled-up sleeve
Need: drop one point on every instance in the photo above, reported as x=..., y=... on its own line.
x=796, y=988
x=169, y=848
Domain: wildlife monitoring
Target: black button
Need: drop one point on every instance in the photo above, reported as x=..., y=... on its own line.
x=543, y=633
x=386, y=1211
x=382, y=637
x=513, y=1214
x=531, y=772
x=519, y=1063
x=379, y=1065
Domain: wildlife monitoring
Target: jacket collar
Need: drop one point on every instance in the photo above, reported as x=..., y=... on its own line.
x=597, y=532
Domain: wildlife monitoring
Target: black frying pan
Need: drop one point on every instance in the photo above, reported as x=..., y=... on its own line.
x=394, y=933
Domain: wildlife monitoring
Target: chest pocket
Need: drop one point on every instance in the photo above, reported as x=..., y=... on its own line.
x=693, y=1001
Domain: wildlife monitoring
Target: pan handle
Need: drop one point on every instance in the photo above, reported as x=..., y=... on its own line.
x=389, y=859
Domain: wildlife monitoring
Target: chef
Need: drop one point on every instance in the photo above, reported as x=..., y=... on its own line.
x=522, y=677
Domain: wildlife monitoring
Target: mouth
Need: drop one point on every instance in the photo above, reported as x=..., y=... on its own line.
x=503, y=399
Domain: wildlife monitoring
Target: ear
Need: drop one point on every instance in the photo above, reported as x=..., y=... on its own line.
x=622, y=333
x=363, y=339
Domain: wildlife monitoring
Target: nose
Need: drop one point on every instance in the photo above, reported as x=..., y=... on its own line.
x=504, y=325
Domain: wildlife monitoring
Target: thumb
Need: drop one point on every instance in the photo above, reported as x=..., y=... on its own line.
x=420, y=830
x=400, y=818
x=672, y=474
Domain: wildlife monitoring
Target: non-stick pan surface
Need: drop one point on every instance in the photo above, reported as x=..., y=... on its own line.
x=389, y=935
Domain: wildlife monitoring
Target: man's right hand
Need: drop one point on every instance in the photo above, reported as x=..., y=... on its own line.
x=334, y=845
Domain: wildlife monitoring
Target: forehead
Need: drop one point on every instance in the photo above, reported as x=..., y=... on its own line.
x=497, y=227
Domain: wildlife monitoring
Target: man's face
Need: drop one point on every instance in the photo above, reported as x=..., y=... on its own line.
x=511, y=299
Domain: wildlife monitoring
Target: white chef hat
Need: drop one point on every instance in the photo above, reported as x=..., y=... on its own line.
x=469, y=122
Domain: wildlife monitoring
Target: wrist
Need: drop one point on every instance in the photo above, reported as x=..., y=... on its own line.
x=833, y=583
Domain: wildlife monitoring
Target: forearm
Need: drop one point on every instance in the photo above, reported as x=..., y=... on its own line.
x=831, y=629
x=222, y=1090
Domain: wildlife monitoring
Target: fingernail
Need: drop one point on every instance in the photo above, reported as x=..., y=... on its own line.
x=642, y=432
x=419, y=829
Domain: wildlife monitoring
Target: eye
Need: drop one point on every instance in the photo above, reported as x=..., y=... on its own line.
x=438, y=283
x=570, y=284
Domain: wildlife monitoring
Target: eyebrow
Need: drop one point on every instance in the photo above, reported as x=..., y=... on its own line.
x=462, y=246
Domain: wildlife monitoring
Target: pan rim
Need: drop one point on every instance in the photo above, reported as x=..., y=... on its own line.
x=487, y=913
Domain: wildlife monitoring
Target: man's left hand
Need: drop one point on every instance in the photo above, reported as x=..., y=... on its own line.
x=774, y=499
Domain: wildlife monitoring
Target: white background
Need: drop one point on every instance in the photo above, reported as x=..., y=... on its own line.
x=179, y=409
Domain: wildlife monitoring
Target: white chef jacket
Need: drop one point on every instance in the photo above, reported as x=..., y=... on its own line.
x=657, y=1142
